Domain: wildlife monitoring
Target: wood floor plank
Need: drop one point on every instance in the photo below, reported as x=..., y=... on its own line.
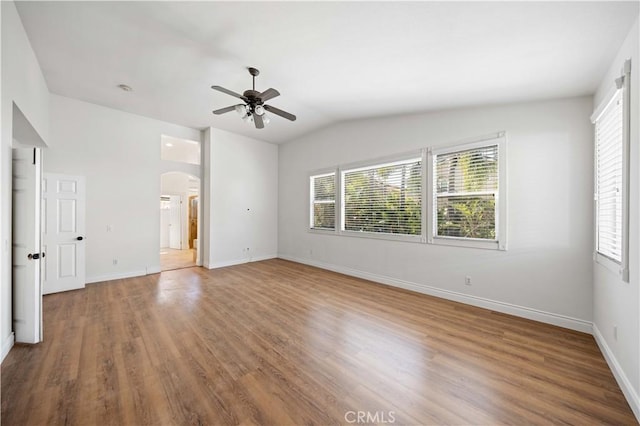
x=281, y=343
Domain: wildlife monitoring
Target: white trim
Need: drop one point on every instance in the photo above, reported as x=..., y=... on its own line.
x=466, y=242
x=393, y=160
x=623, y=381
x=626, y=167
x=325, y=231
x=467, y=143
x=7, y=345
x=498, y=139
x=399, y=158
x=154, y=269
x=318, y=174
x=622, y=90
x=604, y=105
x=494, y=305
x=118, y=276
x=382, y=236
x=608, y=263
x=234, y=262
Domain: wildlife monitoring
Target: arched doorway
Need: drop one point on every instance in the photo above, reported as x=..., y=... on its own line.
x=179, y=222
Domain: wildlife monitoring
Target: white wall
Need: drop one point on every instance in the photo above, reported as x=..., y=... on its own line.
x=546, y=274
x=24, y=85
x=615, y=302
x=119, y=154
x=242, y=213
x=180, y=150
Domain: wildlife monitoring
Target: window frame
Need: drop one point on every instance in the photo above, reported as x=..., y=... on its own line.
x=621, y=89
x=312, y=201
x=381, y=161
x=500, y=243
x=428, y=214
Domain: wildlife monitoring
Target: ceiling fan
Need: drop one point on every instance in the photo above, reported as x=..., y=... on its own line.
x=254, y=108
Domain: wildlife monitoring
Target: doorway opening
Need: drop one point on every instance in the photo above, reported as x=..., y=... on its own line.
x=25, y=215
x=179, y=222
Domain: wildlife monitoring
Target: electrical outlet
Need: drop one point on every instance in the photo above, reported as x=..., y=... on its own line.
x=115, y=261
x=615, y=332
x=467, y=280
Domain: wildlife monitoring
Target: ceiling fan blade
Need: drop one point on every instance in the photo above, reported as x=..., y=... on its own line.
x=229, y=92
x=223, y=110
x=257, y=119
x=269, y=94
x=281, y=113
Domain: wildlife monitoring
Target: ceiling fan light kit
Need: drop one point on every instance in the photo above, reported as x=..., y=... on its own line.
x=254, y=109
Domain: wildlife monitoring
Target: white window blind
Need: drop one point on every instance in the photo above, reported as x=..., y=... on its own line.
x=383, y=198
x=323, y=201
x=466, y=193
x=609, y=175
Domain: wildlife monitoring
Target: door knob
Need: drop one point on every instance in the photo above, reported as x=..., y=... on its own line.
x=33, y=256
x=80, y=238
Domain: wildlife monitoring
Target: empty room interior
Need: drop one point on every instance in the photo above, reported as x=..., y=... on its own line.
x=287, y=213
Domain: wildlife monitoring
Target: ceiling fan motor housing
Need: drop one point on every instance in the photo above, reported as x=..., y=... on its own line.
x=253, y=100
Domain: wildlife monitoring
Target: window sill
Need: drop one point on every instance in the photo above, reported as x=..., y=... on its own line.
x=468, y=242
x=322, y=231
x=611, y=265
x=381, y=236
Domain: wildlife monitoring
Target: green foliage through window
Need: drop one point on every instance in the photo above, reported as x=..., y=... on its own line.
x=466, y=188
x=384, y=198
x=323, y=194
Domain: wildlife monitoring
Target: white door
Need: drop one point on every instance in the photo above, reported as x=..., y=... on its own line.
x=164, y=228
x=63, y=233
x=27, y=253
x=175, y=222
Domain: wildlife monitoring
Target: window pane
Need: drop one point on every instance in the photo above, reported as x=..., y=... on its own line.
x=324, y=188
x=384, y=198
x=324, y=215
x=474, y=170
x=609, y=155
x=467, y=216
x=466, y=186
x=323, y=197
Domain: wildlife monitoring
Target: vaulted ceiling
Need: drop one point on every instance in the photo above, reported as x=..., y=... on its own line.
x=331, y=61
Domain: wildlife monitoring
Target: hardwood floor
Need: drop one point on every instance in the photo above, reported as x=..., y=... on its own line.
x=281, y=343
x=176, y=259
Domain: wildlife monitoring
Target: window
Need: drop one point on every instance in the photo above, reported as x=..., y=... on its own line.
x=463, y=203
x=323, y=201
x=383, y=198
x=609, y=150
x=466, y=194
x=611, y=177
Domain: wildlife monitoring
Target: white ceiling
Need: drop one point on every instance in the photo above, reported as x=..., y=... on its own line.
x=331, y=61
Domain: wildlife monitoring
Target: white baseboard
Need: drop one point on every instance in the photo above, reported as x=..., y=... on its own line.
x=7, y=345
x=627, y=389
x=261, y=258
x=233, y=262
x=118, y=276
x=494, y=305
x=153, y=269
